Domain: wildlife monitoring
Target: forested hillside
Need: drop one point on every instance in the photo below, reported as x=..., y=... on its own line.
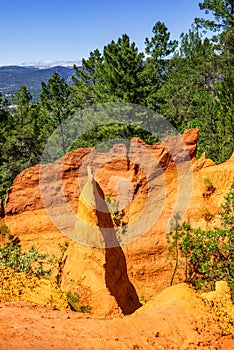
x=13, y=77
x=189, y=82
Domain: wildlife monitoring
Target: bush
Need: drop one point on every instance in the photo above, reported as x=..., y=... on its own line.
x=208, y=255
x=207, y=214
x=209, y=188
x=73, y=299
x=11, y=255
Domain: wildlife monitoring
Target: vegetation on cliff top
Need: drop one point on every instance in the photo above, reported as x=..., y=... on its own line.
x=189, y=82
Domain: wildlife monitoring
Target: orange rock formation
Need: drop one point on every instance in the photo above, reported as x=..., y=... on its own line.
x=150, y=184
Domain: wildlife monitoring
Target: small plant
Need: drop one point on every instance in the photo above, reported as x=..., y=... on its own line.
x=108, y=199
x=84, y=308
x=209, y=188
x=227, y=213
x=207, y=214
x=113, y=207
x=176, y=237
x=4, y=233
x=112, y=204
x=63, y=248
x=60, y=262
x=142, y=300
x=74, y=298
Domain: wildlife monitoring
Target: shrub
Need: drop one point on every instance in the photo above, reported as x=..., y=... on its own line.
x=209, y=188
x=11, y=255
x=208, y=255
x=84, y=308
x=206, y=214
x=142, y=300
x=73, y=299
x=113, y=207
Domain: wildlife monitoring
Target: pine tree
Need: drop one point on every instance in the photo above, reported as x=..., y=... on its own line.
x=222, y=11
x=22, y=98
x=190, y=80
x=158, y=49
x=85, y=79
x=56, y=101
x=118, y=75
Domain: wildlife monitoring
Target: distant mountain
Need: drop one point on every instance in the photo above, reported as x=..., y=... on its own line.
x=13, y=77
x=50, y=64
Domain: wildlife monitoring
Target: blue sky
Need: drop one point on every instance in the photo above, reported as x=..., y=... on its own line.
x=56, y=30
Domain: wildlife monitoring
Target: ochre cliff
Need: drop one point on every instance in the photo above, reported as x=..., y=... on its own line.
x=149, y=184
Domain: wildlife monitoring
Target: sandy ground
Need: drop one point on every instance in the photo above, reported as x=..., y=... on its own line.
x=27, y=326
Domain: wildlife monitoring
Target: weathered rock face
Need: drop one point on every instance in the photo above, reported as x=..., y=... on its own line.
x=101, y=227
x=70, y=171
x=25, y=195
x=149, y=184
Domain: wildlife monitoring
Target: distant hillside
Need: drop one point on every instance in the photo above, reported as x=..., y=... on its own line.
x=13, y=77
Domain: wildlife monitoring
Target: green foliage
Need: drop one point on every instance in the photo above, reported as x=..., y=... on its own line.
x=56, y=99
x=206, y=213
x=113, y=76
x=174, y=237
x=60, y=261
x=158, y=48
x=225, y=123
x=208, y=185
x=104, y=137
x=4, y=233
x=86, y=78
x=208, y=255
x=117, y=216
x=209, y=188
x=219, y=145
x=222, y=11
x=23, y=97
x=11, y=255
x=142, y=300
x=63, y=247
x=190, y=83
x=118, y=74
x=23, y=138
x=73, y=299
x=84, y=309
x=25, y=130
x=113, y=207
x=4, y=113
x=195, y=95
x=227, y=212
